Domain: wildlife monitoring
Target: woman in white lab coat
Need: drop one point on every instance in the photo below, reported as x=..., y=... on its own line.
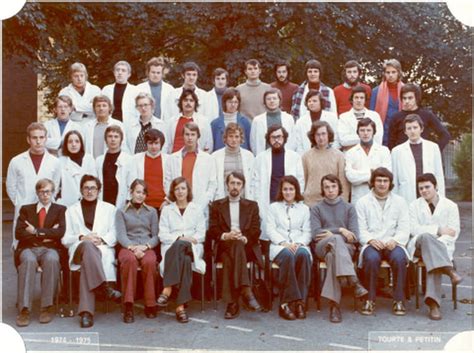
x=289, y=230
x=182, y=232
x=74, y=164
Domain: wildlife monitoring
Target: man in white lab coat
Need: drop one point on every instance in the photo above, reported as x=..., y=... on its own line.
x=414, y=157
x=384, y=226
x=434, y=228
x=156, y=86
x=221, y=78
x=122, y=93
x=25, y=169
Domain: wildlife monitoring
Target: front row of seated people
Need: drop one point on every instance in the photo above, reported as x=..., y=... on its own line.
x=381, y=222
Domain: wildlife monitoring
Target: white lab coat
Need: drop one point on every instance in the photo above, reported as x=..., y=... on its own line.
x=213, y=104
x=104, y=226
x=88, y=135
x=391, y=222
x=347, y=127
x=303, y=126
x=54, y=139
x=446, y=214
x=204, y=177
x=22, y=178
x=205, y=141
x=133, y=128
x=404, y=168
x=71, y=174
x=359, y=165
x=82, y=103
x=121, y=175
x=331, y=98
x=129, y=112
x=261, y=180
x=172, y=110
x=247, y=166
x=136, y=169
x=190, y=224
x=292, y=228
x=166, y=91
x=259, y=128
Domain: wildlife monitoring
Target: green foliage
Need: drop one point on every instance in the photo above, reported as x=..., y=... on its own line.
x=462, y=164
x=433, y=47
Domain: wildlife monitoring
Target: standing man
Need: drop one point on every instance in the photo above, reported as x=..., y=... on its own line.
x=282, y=71
x=39, y=230
x=270, y=166
x=413, y=158
x=112, y=169
x=156, y=86
x=188, y=106
x=232, y=158
x=351, y=75
x=273, y=116
x=434, y=226
x=145, y=104
x=335, y=233
x=94, y=130
x=59, y=127
x=151, y=166
x=314, y=72
x=384, y=226
x=234, y=225
x=221, y=79
x=122, y=93
x=364, y=158
x=321, y=160
x=190, y=74
x=411, y=100
x=385, y=98
x=25, y=169
x=347, y=126
x=196, y=166
x=81, y=92
x=251, y=92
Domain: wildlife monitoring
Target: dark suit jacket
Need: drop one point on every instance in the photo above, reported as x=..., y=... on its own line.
x=53, y=230
x=219, y=222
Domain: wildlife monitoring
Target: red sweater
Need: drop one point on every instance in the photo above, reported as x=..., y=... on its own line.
x=188, y=166
x=154, y=181
x=178, y=135
x=343, y=94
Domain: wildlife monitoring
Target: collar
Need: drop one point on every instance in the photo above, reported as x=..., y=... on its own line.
x=129, y=205
x=148, y=154
x=184, y=152
x=417, y=142
x=290, y=205
x=237, y=199
x=39, y=206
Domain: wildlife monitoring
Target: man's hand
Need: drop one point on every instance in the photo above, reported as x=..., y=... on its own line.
x=30, y=228
x=232, y=235
x=292, y=247
x=350, y=237
x=377, y=244
x=391, y=244
x=446, y=231
x=322, y=235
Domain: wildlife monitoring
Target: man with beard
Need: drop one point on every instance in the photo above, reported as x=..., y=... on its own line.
x=351, y=76
x=282, y=72
x=270, y=166
x=234, y=224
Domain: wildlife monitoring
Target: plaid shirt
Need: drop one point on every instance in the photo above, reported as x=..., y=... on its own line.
x=298, y=97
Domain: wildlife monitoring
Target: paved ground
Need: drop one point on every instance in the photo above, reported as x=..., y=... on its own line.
x=266, y=331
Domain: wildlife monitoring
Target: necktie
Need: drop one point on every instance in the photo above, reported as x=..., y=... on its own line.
x=432, y=207
x=41, y=217
x=140, y=145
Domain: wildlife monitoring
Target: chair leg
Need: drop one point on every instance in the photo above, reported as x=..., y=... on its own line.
x=202, y=293
x=454, y=290
x=417, y=288
x=318, y=287
x=214, y=283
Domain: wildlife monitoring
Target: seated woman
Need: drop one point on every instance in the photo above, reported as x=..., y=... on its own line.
x=90, y=239
x=289, y=230
x=74, y=164
x=182, y=234
x=137, y=233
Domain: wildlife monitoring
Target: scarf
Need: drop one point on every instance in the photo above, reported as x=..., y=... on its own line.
x=381, y=105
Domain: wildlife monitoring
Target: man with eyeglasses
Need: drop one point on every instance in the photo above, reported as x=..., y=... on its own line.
x=269, y=167
x=136, y=130
x=39, y=230
x=90, y=238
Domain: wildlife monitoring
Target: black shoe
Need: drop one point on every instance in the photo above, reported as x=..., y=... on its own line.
x=285, y=312
x=300, y=310
x=151, y=312
x=128, y=316
x=182, y=316
x=335, y=314
x=87, y=320
x=232, y=311
x=112, y=294
x=251, y=303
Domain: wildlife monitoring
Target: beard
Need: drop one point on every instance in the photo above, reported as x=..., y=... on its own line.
x=352, y=83
x=278, y=148
x=234, y=193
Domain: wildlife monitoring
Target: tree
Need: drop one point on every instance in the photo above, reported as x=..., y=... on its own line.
x=434, y=48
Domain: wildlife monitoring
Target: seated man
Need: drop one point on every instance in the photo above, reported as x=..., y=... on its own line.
x=90, y=237
x=384, y=231
x=434, y=226
x=39, y=230
x=335, y=232
x=235, y=226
